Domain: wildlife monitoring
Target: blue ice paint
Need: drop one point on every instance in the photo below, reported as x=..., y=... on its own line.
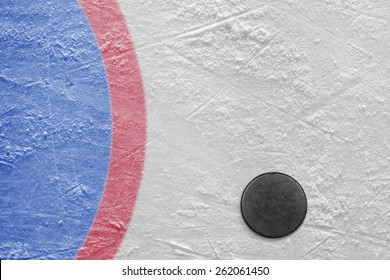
x=55, y=129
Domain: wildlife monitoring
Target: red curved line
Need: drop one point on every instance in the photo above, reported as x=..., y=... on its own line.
x=128, y=130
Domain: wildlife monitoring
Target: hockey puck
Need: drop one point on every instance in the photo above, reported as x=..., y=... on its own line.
x=273, y=205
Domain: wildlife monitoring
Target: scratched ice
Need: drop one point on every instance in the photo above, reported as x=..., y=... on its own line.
x=233, y=89
x=238, y=88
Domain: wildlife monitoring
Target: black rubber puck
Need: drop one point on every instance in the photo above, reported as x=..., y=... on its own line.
x=273, y=205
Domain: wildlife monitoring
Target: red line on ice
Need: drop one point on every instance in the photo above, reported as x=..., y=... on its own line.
x=128, y=129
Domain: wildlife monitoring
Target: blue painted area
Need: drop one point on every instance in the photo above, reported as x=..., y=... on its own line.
x=55, y=129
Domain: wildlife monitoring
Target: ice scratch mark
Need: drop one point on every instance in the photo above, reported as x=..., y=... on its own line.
x=204, y=105
x=182, y=248
x=294, y=13
x=214, y=250
x=316, y=247
x=160, y=40
x=309, y=124
x=365, y=205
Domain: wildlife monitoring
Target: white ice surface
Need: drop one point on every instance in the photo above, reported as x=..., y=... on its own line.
x=237, y=88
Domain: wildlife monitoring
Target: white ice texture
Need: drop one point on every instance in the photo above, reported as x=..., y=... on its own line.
x=237, y=88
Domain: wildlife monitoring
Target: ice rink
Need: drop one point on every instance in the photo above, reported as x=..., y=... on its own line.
x=238, y=88
x=232, y=89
